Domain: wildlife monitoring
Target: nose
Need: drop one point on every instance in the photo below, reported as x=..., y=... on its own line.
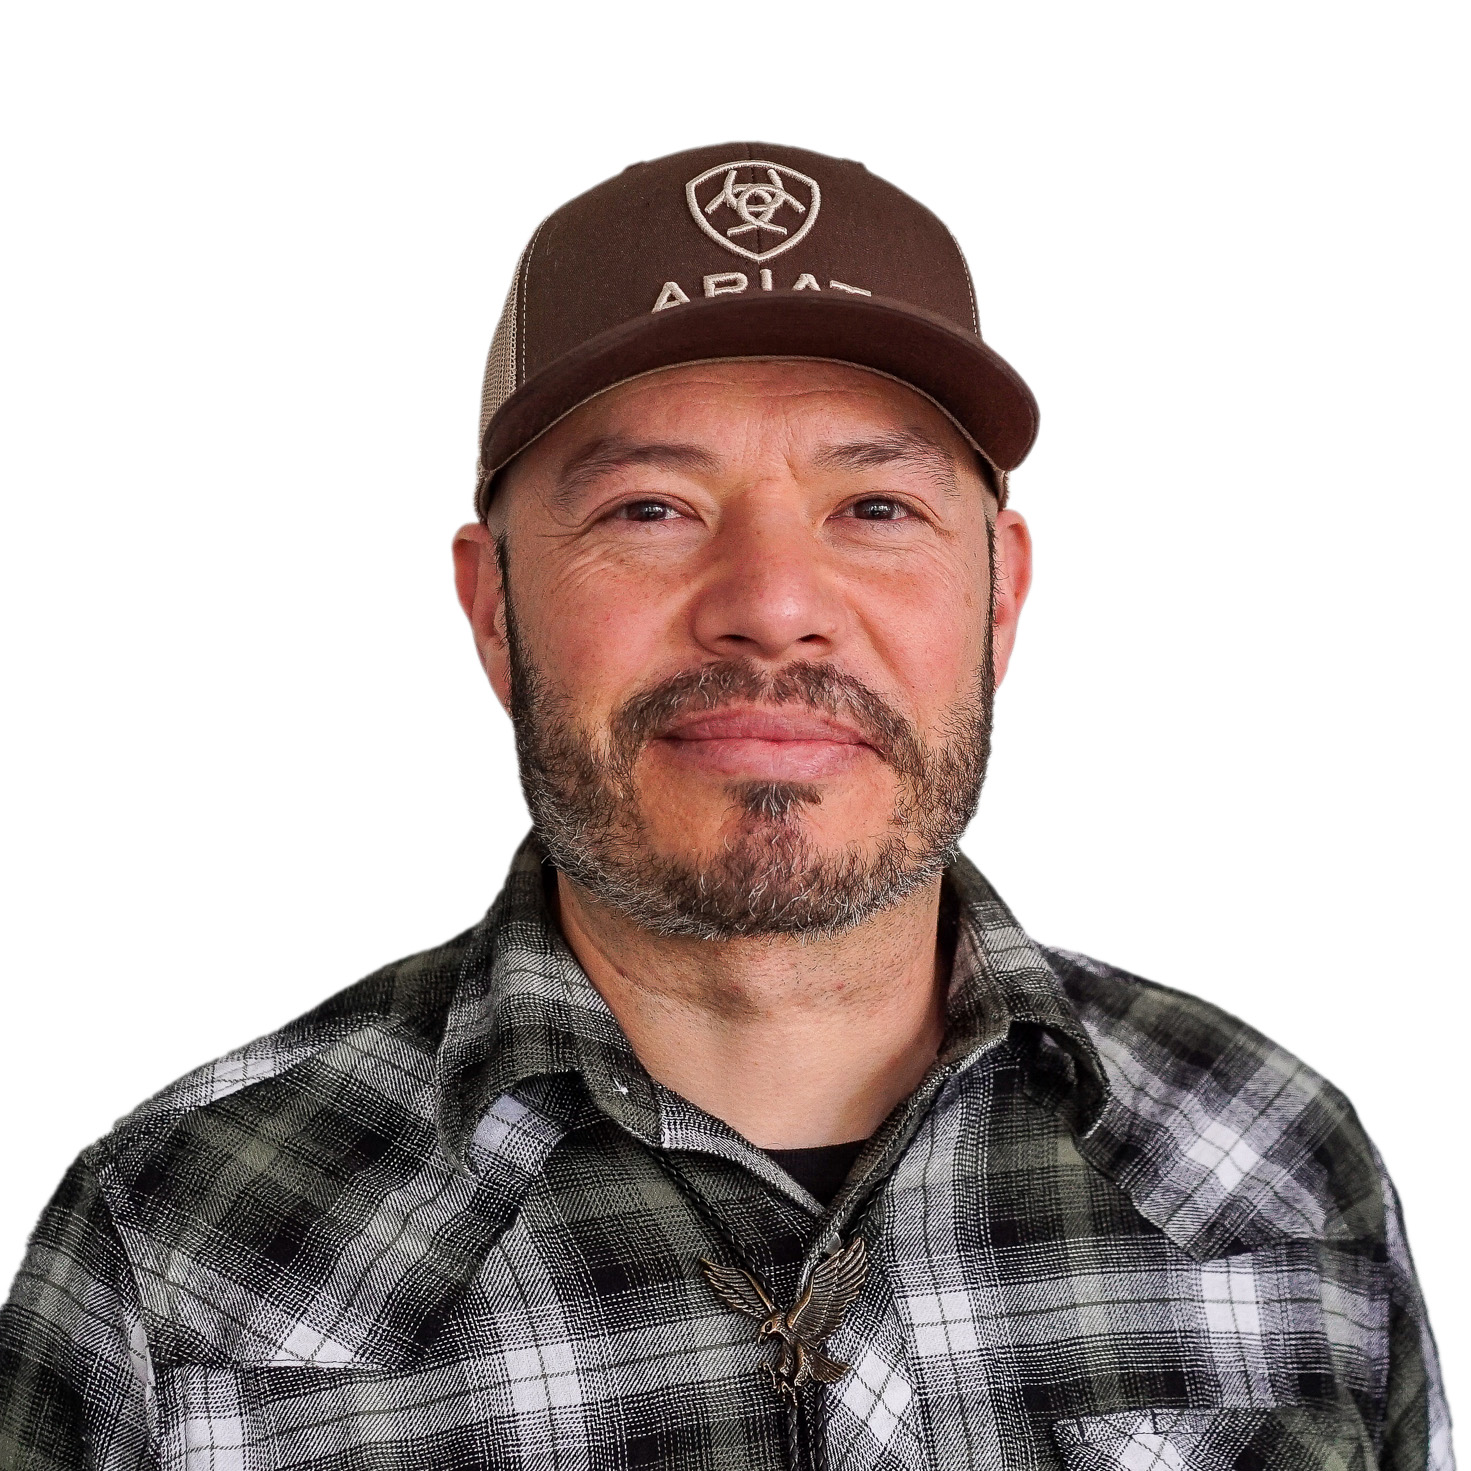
x=768, y=592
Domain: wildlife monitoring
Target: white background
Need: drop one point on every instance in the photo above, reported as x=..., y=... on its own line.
x=253, y=257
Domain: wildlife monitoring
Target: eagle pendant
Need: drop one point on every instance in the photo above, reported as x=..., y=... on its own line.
x=815, y=1316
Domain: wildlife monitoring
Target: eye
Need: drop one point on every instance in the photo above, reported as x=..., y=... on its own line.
x=879, y=508
x=646, y=511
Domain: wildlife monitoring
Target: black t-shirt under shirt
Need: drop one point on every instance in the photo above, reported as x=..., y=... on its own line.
x=821, y=1171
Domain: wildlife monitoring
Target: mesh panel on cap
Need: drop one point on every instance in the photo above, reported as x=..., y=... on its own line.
x=500, y=361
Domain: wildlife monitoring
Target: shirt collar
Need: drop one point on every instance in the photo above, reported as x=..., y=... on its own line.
x=524, y=1008
x=1000, y=982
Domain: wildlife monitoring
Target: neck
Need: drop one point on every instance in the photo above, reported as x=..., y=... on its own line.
x=794, y=1043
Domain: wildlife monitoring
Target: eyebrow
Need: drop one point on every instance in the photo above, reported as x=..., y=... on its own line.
x=605, y=455
x=902, y=446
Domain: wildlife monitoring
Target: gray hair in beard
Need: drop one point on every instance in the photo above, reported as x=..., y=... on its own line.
x=769, y=878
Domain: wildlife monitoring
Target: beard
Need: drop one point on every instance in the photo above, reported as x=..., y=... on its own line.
x=768, y=877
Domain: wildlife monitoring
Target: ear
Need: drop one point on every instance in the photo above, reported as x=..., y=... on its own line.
x=483, y=597
x=1013, y=581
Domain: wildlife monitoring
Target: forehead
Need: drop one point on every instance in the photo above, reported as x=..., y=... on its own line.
x=745, y=408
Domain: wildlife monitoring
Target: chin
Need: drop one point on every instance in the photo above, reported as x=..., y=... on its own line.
x=836, y=813
x=771, y=836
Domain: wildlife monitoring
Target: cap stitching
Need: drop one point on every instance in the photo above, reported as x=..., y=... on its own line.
x=975, y=317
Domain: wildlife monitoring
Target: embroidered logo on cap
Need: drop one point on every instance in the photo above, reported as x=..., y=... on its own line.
x=755, y=209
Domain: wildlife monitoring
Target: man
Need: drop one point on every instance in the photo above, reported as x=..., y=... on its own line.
x=747, y=1129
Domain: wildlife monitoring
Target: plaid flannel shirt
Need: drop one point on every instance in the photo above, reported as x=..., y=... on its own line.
x=448, y=1221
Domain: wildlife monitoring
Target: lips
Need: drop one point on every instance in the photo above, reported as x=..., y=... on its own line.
x=762, y=725
x=764, y=745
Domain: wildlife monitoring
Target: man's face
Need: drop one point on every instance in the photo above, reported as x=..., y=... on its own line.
x=745, y=633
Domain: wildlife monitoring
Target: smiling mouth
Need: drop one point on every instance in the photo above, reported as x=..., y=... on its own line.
x=798, y=745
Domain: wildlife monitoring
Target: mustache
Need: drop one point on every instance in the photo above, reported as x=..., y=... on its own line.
x=819, y=687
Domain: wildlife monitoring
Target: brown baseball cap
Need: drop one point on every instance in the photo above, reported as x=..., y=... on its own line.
x=742, y=250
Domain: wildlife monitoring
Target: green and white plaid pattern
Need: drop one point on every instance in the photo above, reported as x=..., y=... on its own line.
x=447, y=1221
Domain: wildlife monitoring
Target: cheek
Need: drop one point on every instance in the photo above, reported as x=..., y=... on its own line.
x=606, y=631
x=929, y=628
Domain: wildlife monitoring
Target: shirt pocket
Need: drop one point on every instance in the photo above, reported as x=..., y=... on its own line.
x=1289, y=1439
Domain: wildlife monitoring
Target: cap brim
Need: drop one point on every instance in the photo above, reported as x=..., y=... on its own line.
x=978, y=389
